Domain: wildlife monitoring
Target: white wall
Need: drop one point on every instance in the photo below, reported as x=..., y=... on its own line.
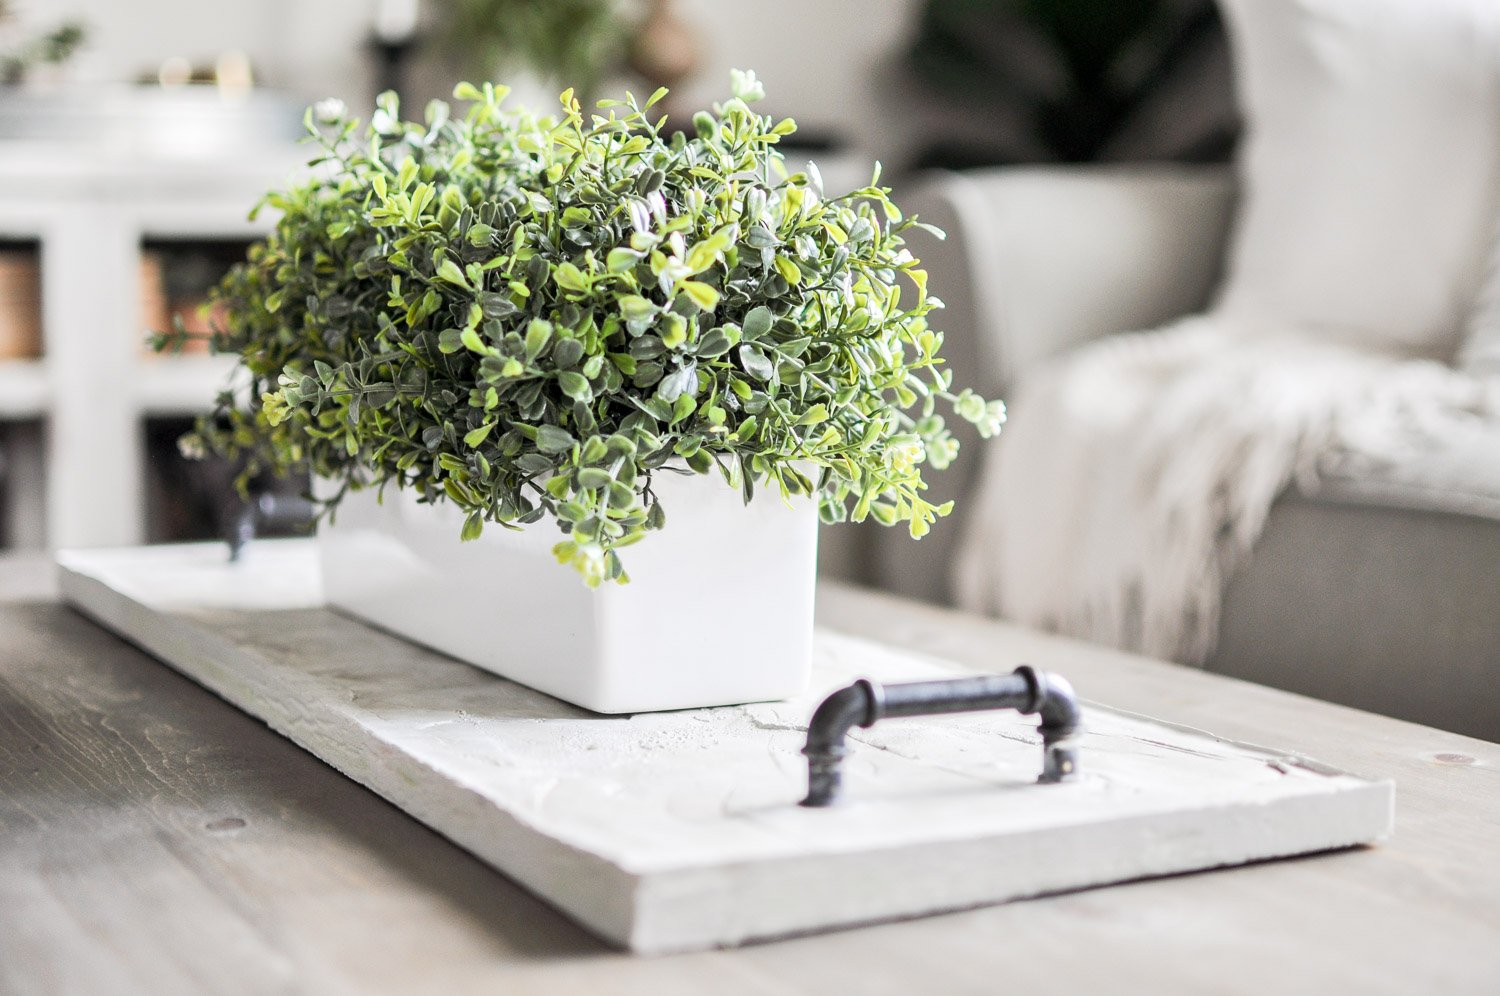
x=820, y=59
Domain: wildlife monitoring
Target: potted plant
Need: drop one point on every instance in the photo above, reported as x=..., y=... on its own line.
x=578, y=330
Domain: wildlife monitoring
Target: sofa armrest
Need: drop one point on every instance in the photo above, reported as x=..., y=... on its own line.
x=1041, y=259
x=1038, y=260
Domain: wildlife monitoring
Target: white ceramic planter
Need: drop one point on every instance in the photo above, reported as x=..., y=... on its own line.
x=718, y=611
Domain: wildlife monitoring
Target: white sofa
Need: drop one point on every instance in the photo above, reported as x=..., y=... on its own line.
x=1381, y=592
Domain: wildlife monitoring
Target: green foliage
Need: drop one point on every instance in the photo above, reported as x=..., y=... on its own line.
x=534, y=315
x=574, y=40
x=51, y=48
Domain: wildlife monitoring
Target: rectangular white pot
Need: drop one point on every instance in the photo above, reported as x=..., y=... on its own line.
x=718, y=610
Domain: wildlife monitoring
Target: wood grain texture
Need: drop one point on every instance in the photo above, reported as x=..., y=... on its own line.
x=113, y=768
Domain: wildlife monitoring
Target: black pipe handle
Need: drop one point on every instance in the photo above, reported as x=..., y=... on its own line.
x=865, y=702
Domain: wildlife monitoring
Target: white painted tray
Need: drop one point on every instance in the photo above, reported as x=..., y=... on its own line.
x=675, y=831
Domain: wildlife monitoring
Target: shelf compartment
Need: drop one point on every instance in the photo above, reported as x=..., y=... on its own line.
x=20, y=300
x=176, y=275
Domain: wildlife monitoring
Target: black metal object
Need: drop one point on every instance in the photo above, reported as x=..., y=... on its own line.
x=865, y=702
x=268, y=509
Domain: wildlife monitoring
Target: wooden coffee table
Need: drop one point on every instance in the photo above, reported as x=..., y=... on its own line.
x=153, y=838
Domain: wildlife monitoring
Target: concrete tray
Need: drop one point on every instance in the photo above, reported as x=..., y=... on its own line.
x=678, y=831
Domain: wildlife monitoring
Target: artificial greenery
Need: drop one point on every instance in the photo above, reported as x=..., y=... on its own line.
x=50, y=48
x=535, y=315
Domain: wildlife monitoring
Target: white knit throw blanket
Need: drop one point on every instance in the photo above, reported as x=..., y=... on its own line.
x=1137, y=472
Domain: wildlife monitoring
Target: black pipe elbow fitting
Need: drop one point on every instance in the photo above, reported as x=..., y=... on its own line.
x=864, y=703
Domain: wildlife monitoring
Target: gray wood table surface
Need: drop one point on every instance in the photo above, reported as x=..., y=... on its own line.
x=154, y=839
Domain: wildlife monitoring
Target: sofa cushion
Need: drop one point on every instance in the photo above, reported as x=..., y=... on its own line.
x=1371, y=170
x=1378, y=589
x=1381, y=607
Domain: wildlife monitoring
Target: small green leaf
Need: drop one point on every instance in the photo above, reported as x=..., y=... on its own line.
x=757, y=364
x=569, y=277
x=701, y=257
x=715, y=342
x=673, y=330
x=552, y=439
x=473, y=527
x=701, y=294
x=593, y=478
x=574, y=385
x=567, y=353
x=594, y=450
x=677, y=384
x=700, y=462
x=633, y=306
x=757, y=323
x=537, y=335
x=622, y=260
x=450, y=272
x=620, y=495
x=789, y=270
x=814, y=415
x=656, y=517
x=476, y=436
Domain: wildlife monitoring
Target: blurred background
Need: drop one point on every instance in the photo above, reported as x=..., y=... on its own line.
x=136, y=134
